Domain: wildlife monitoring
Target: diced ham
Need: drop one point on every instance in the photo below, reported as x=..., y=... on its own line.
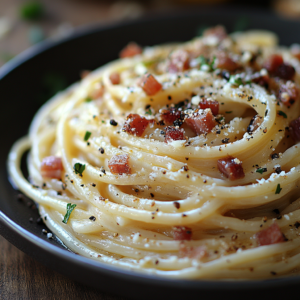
x=132, y=49
x=115, y=78
x=285, y=71
x=181, y=233
x=192, y=252
x=273, y=62
x=295, y=129
x=169, y=116
x=150, y=85
x=119, y=164
x=51, y=167
x=231, y=168
x=218, y=31
x=174, y=134
x=179, y=61
x=276, y=67
x=201, y=121
x=254, y=123
x=296, y=52
x=288, y=93
x=262, y=80
x=212, y=104
x=84, y=73
x=270, y=235
x=97, y=92
x=136, y=124
x=224, y=61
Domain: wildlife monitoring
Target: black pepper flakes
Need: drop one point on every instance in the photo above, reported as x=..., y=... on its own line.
x=152, y=195
x=274, y=156
x=113, y=122
x=92, y=218
x=225, y=141
x=297, y=225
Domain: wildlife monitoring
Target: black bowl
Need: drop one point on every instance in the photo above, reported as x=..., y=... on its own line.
x=30, y=79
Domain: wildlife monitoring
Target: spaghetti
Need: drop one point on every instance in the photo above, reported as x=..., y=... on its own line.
x=178, y=160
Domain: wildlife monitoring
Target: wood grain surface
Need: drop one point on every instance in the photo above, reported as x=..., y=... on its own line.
x=21, y=277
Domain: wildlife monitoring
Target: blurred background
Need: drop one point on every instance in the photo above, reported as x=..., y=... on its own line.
x=24, y=23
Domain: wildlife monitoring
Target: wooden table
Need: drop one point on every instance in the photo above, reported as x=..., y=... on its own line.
x=21, y=277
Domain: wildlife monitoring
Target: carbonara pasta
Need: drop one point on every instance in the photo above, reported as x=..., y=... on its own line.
x=178, y=160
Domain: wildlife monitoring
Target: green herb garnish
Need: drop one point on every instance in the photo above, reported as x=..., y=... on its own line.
x=87, y=135
x=261, y=170
x=88, y=99
x=228, y=112
x=281, y=113
x=149, y=112
x=70, y=208
x=205, y=64
x=237, y=81
x=31, y=11
x=278, y=189
x=79, y=168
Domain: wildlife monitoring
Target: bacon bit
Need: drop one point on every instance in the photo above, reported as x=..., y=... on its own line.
x=84, y=73
x=295, y=129
x=226, y=62
x=132, y=49
x=285, y=71
x=254, y=123
x=231, y=168
x=202, y=121
x=218, y=31
x=273, y=62
x=212, y=104
x=270, y=235
x=119, y=164
x=192, y=252
x=51, y=167
x=295, y=52
x=181, y=233
x=115, y=78
x=174, y=134
x=97, y=92
x=262, y=80
x=150, y=85
x=288, y=93
x=169, y=116
x=179, y=61
x=136, y=124
x=275, y=65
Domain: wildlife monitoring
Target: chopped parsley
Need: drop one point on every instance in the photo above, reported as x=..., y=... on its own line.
x=149, y=112
x=281, y=113
x=70, y=208
x=87, y=135
x=278, y=189
x=228, y=112
x=204, y=63
x=79, y=168
x=237, y=81
x=88, y=99
x=261, y=170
